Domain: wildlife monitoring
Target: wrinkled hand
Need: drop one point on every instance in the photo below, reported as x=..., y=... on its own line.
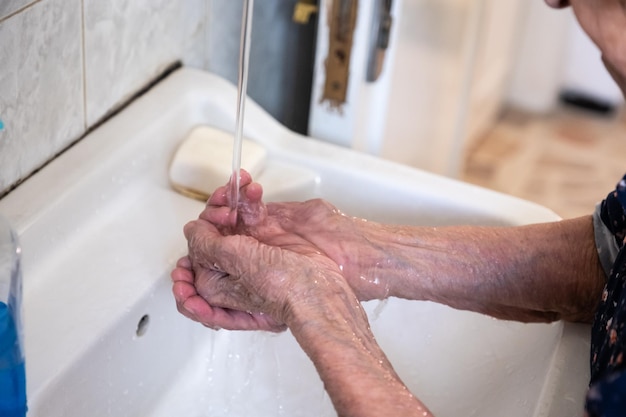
x=192, y=305
x=235, y=281
x=314, y=224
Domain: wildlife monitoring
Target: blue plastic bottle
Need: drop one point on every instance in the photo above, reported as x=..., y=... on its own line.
x=12, y=371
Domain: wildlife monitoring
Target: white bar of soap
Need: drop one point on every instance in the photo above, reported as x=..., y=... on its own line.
x=203, y=161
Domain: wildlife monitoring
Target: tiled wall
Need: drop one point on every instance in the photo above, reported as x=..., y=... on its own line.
x=65, y=63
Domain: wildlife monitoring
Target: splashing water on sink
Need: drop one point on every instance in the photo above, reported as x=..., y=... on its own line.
x=379, y=309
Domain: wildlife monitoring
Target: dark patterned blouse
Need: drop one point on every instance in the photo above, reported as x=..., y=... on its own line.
x=607, y=392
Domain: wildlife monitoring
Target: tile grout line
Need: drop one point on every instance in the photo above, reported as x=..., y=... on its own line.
x=84, y=62
x=20, y=10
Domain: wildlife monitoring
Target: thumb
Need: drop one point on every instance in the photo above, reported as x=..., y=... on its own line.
x=210, y=249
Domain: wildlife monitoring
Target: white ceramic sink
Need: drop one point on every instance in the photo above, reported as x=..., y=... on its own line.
x=101, y=229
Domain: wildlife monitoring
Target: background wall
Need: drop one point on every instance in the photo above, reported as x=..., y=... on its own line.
x=444, y=80
x=555, y=54
x=66, y=64
x=282, y=55
x=452, y=66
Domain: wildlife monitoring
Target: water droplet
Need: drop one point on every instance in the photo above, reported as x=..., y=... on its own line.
x=379, y=309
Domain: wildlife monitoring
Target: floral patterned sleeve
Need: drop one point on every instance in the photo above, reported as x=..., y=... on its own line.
x=607, y=392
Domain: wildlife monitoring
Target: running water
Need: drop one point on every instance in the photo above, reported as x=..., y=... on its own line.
x=242, y=86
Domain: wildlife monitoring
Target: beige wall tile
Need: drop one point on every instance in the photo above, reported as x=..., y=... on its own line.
x=128, y=43
x=41, y=95
x=11, y=6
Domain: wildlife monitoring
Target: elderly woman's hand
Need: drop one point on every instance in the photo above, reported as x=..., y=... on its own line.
x=237, y=282
x=191, y=304
x=314, y=225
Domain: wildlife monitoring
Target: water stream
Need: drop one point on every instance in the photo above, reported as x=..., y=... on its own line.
x=242, y=86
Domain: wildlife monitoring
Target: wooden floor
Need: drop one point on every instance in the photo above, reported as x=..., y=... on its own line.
x=567, y=161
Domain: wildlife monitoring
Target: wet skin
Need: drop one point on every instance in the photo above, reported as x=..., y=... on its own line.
x=217, y=246
x=236, y=281
x=306, y=266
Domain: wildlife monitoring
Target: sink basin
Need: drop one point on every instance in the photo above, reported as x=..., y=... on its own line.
x=101, y=230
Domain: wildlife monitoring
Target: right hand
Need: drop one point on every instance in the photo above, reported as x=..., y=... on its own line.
x=315, y=224
x=244, y=284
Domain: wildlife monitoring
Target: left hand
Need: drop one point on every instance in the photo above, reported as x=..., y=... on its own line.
x=192, y=305
x=237, y=282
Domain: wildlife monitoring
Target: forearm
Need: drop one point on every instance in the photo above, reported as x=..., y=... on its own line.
x=540, y=272
x=356, y=373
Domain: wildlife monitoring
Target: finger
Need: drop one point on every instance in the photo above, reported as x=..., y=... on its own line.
x=197, y=309
x=183, y=291
x=205, y=244
x=219, y=196
x=241, y=320
x=244, y=178
x=200, y=229
x=229, y=319
x=253, y=193
x=251, y=208
x=219, y=216
x=189, y=229
x=179, y=274
x=184, y=262
x=188, y=302
x=207, y=247
x=232, y=218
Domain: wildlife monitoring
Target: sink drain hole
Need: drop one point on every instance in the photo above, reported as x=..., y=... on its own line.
x=142, y=326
